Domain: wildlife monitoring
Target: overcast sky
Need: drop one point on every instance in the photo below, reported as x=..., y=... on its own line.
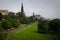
x=45, y=8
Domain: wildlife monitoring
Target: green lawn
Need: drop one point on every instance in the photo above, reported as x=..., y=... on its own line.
x=29, y=33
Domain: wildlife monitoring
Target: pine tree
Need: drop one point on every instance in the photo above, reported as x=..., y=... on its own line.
x=22, y=10
x=22, y=18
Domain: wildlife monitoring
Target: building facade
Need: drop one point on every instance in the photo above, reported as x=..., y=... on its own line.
x=4, y=12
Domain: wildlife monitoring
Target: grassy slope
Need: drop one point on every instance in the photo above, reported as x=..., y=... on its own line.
x=30, y=33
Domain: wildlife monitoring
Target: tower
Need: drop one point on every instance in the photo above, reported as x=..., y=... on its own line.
x=33, y=14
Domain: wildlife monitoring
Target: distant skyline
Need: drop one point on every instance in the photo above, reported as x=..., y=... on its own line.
x=45, y=8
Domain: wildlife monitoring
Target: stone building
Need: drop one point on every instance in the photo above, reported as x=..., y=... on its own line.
x=4, y=12
x=37, y=17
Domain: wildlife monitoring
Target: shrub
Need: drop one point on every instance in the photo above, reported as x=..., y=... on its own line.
x=43, y=26
x=1, y=28
x=15, y=23
x=54, y=25
x=27, y=21
x=49, y=26
x=2, y=33
x=6, y=24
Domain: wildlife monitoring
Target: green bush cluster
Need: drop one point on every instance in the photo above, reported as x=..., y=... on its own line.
x=15, y=23
x=43, y=26
x=54, y=25
x=6, y=24
x=49, y=26
x=27, y=20
x=2, y=33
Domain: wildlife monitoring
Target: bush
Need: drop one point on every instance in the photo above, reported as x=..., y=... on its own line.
x=49, y=26
x=1, y=28
x=6, y=24
x=43, y=26
x=15, y=23
x=27, y=21
x=2, y=33
x=54, y=25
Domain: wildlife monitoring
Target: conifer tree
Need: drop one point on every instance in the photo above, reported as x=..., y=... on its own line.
x=22, y=10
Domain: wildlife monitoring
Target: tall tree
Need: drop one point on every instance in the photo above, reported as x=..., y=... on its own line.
x=22, y=10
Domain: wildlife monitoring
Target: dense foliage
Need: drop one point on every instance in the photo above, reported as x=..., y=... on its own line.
x=15, y=23
x=6, y=24
x=43, y=26
x=49, y=26
x=2, y=32
x=54, y=25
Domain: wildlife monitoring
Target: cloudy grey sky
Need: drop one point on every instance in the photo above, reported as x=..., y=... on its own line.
x=45, y=8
